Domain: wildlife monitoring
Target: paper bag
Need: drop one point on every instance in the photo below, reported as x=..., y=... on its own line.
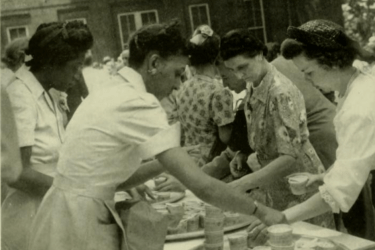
x=144, y=227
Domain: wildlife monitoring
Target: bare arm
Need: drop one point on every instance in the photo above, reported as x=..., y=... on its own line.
x=310, y=208
x=210, y=190
x=279, y=168
x=31, y=181
x=144, y=172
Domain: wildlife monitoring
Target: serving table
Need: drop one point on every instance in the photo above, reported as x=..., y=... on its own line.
x=301, y=228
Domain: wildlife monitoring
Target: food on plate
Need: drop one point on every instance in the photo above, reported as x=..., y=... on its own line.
x=191, y=216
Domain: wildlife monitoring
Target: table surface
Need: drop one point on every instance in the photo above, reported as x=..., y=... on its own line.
x=303, y=228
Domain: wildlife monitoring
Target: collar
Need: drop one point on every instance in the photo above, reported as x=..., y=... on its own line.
x=133, y=78
x=30, y=81
x=261, y=92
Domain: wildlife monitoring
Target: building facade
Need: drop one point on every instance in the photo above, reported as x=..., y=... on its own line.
x=113, y=21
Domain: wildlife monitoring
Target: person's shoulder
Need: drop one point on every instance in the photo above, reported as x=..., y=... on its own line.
x=18, y=88
x=283, y=85
x=360, y=100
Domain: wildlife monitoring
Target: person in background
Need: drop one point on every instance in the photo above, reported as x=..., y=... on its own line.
x=11, y=165
x=131, y=126
x=13, y=59
x=57, y=51
x=123, y=59
x=273, y=51
x=79, y=91
x=219, y=166
x=325, y=54
x=276, y=123
x=204, y=106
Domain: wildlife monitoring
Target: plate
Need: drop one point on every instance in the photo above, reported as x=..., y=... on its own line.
x=174, y=197
x=300, y=238
x=199, y=234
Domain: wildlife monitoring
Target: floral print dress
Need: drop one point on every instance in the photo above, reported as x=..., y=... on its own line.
x=203, y=105
x=277, y=125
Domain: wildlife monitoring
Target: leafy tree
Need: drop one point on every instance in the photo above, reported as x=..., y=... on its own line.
x=359, y=19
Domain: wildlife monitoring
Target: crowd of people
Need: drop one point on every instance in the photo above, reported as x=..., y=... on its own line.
x=73, y=134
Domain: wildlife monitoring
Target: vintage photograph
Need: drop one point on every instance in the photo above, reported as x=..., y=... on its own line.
x=187, y=124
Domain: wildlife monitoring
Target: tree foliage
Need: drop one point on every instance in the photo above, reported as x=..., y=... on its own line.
x=359, y=19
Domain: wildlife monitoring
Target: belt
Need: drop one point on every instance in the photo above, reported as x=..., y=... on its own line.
x=102, y=193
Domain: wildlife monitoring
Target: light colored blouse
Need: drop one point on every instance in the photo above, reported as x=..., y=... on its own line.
x=113, y=130
x=39, y=120
x=355, y=156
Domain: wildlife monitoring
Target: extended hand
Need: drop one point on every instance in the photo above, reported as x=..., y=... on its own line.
x=270, y=216
x=171, y=184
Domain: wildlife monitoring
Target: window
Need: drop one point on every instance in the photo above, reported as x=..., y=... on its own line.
x=130, y=22
x=257, y=21
x=17, y=32
x=199, y=14
x=77, y=19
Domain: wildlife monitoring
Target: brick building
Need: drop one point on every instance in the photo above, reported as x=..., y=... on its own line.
x=112, y=21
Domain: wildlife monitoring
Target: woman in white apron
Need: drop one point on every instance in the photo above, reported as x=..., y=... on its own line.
x=57, y=52
x=110, y=134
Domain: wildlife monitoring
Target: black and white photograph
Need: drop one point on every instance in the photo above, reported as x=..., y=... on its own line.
x=187, y=124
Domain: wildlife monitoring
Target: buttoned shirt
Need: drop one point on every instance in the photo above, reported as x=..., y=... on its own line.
x=355, y=131
x=113, y=130
x=38, y=119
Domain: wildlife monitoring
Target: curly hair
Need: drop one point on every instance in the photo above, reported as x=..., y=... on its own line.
x=56, y=43
x=330, y=58
x=241, y=42
x=205, y=53
x=166, y=39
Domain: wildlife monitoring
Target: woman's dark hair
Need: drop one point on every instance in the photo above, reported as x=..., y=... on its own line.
x=206, y=52
x=165, y=39
x=273, y=51
x=57, y=43
x=241, y=42
x=340, y=58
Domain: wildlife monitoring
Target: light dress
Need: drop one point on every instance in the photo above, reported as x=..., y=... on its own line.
x=110, y=134
x=39, y=123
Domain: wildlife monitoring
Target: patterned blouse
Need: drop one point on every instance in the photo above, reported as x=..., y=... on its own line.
x=277, y=125
x=203, y=105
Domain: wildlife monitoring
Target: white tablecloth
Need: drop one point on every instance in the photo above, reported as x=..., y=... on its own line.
x=303, y=228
